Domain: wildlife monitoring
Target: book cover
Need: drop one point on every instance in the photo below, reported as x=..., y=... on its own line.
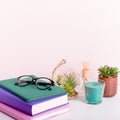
x=30, y=92
x=32, y=107
x=22, y=116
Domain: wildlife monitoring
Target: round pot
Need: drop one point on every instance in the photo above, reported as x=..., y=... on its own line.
x=110, y=86
x=73, y=96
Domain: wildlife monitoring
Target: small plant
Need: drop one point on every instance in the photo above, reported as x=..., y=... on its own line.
x=68, y=82
x=107, y=71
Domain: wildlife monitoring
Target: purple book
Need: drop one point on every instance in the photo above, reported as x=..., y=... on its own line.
x=18, y=115
x=33, y=107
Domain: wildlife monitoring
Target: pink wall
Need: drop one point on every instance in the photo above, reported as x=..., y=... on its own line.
x=35, y=35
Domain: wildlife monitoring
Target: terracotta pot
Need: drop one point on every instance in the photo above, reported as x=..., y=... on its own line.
x=110, y=86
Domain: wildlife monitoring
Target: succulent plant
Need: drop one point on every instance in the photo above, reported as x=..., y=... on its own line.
x=67, y=82
x=108, y=71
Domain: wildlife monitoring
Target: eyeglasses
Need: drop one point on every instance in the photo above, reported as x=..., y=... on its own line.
x=41, y=83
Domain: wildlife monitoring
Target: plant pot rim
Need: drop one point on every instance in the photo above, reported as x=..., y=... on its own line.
x=107, y=77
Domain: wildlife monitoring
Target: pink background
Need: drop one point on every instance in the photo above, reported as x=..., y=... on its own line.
x=36, y=34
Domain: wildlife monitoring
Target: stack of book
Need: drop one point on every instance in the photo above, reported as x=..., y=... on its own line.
x=31, y=103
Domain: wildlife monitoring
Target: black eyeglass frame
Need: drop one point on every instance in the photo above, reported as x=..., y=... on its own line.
x=34, y=81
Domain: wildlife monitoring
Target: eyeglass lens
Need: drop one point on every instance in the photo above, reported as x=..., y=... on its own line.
x=24, y=80
x=43, y=83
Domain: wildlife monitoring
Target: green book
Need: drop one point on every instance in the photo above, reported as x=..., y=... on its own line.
x=30, y=92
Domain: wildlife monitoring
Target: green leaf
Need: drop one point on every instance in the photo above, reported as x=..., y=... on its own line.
x=108, y=71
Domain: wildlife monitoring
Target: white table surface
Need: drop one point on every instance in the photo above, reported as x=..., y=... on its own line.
x=109, y=109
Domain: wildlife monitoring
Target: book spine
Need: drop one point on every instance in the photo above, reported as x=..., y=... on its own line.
x=15, y=102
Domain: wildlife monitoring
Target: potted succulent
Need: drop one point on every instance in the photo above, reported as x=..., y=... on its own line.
x=110, y=76
x=68, y=82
